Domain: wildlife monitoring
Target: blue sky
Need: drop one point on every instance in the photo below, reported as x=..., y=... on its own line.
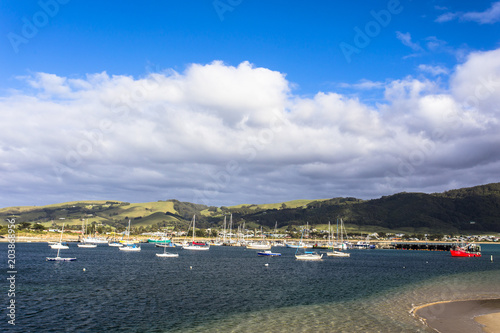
x=351, y=82
x=294, y=37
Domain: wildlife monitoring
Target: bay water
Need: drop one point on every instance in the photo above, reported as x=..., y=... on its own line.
x=231, y=289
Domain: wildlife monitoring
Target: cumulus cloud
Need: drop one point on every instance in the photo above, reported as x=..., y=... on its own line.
x=219, y=134
x=489, y=16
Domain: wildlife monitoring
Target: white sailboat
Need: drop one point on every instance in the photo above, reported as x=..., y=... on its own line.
x=194, y=245
x=58, y=258
x=339, y=253
x=166, y=254
x=59, y=245
x=307, y=255
x=260, y=245
x=130, y=247
x=84, y=243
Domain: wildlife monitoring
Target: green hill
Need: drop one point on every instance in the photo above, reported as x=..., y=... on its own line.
x=473, y=210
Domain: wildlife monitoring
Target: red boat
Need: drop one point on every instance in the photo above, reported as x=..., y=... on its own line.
x=469, y=250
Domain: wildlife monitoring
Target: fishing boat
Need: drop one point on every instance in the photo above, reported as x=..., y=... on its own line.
x=57, y=257
x=195, y=245
x=468, y=250
x=163, y=240
x=307, y=255
x=269, y=254
x=130, y=247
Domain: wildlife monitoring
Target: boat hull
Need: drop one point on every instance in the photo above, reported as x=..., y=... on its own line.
x=129, y=249
x=60, y=259
x=196, y=247
x=337, y=254
x=462, y=253
x=269, y=254
x=59, y=247
x=162, y=241
x=259, y=246
x=87, y=246
x=167, y=255
x=309, y=256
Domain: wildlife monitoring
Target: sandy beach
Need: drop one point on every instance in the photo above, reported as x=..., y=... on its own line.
x=470, y=316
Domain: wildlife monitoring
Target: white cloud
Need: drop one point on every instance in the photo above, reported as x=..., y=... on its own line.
x=405, y=38
x=434, y=70
x=220, y=134
x=364, y=85
x=489, y=16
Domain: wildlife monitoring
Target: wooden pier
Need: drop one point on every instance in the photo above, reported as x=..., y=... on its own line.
x=421, y=246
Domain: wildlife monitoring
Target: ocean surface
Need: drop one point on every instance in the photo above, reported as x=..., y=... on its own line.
x=230, y=289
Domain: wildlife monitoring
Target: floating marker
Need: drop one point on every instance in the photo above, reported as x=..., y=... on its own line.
x=84, y=269
x=491, y=258
x=190, y=267
x=266, y=265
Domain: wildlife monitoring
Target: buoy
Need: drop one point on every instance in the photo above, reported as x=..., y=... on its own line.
x=84, y=269
x=190, y=267
x=266, y=265
x=491, y=258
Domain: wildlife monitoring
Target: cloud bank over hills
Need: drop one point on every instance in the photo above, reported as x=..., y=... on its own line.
x=218, y=134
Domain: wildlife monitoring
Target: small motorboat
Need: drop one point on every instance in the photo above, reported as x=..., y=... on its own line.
x=269, y=254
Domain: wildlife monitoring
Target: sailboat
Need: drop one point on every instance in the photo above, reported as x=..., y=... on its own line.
x=59, y=245
x=166, y=254
x=130, y=247
x=307, y=255
x=58, y=258
x=260, y=245
x=194, y=245
x=339, y=253
x=84, y=243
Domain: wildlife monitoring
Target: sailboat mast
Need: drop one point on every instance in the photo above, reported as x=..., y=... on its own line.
x=224, y=238
x=230, y=228
x=342, y=233
x=62, y=231
x=194, y=221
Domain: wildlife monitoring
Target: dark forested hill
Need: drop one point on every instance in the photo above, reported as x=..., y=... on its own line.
x=451, y=211
x=462, y=210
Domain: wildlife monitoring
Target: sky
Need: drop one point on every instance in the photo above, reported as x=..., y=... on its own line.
x=229, y=102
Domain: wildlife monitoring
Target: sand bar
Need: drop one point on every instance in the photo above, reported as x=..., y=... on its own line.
x=491, y=322
x=459, y=316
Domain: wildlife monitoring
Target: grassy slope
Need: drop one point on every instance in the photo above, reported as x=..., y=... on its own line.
x=289, y=204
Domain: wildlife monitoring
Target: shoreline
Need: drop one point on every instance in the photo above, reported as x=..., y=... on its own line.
x=470, y=315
